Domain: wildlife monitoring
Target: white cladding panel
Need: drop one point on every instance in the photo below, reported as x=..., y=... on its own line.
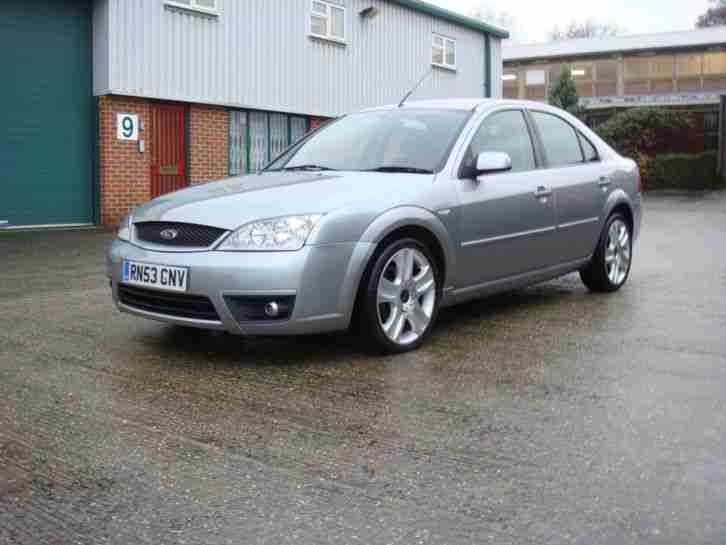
x=257, y=54
x=100, y=47
x=497, y=67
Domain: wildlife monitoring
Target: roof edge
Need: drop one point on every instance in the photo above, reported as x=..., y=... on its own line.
x=587, y=47
x=463, y=20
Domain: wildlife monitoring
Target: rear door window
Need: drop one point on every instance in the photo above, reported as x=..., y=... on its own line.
x=559, y=139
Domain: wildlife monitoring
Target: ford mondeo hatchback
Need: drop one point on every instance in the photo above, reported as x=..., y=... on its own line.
x=383, y=217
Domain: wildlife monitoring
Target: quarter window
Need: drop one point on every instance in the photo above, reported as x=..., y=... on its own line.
x=588, y=149
x=327, y=21
x=504, y=132
x=559, y=140
x=443, y=52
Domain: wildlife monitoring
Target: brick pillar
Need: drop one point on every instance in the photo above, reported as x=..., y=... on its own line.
x=317, y=122
x=125, y=173
x=208, y=143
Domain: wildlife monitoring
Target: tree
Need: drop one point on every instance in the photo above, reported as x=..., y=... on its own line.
x=502, y=19
x=587, y=29
x=563, y=93
x=714, y=16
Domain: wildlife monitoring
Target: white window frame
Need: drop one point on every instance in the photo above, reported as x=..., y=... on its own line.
x=329, y=6
x=193, y=5
x=442, y=47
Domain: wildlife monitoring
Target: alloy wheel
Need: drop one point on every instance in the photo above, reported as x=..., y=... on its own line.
x=617, y=252
x=406, y=296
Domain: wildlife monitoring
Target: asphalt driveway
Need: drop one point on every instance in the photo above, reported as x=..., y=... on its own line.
x=547, y=415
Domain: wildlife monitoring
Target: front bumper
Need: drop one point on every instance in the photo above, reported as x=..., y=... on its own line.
x=324, y=280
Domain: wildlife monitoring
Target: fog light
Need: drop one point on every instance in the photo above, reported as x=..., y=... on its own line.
x=272, y=309
x=260, y=308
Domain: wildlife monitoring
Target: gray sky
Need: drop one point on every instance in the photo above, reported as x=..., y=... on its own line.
x=534, y=18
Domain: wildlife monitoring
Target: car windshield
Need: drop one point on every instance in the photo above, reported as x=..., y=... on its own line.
x=404, y=140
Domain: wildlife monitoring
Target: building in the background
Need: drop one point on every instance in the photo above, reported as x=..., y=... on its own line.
x=108, y=103
x=684, y=70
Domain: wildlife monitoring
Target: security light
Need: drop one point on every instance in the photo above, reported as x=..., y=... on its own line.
x=370, y=13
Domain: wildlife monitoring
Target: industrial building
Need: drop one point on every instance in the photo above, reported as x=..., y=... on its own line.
x=109, y=103
x=683, y=70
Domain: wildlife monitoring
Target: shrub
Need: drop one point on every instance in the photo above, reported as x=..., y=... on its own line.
x=647, y=131
x=644, y=165
x=684, y=171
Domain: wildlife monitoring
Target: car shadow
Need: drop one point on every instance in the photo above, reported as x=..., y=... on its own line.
x=332, y=348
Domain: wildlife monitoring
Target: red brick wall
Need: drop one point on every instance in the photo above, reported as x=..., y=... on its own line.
x=125, y=174
x=316, y=122
x=209, y=143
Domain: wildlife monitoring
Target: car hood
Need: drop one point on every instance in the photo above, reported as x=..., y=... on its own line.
x=230, y=203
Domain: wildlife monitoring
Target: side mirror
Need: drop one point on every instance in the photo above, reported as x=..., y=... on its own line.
x=490, y=162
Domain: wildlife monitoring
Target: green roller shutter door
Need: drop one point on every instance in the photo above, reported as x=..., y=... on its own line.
x=46, y=107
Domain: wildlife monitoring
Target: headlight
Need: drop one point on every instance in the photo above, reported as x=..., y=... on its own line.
x=124, y=229
x=277, y=234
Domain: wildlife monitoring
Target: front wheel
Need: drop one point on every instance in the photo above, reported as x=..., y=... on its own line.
x=610, y=266
x=401, y=297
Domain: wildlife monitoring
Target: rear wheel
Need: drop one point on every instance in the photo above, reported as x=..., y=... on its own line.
x=610, y=266
x=401, y=297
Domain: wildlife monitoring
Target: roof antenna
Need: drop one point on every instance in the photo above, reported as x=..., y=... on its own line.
x=404, y=99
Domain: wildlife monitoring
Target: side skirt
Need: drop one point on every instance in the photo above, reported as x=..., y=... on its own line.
x=454, y=296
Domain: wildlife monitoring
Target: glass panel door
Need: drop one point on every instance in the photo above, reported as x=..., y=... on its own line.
x=298, y=128
x=278, y=134
x=237, y=143
x=259, y=140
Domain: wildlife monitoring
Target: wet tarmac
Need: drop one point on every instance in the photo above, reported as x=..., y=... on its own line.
x=546, y=415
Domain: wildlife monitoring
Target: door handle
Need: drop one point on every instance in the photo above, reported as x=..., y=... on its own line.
x=542, y=192
x=604, y=181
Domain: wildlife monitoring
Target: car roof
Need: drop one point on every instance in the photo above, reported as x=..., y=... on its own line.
x=458, y=104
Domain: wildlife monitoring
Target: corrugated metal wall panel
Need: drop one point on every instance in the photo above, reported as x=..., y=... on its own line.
x=257, y=54
x=497, y=68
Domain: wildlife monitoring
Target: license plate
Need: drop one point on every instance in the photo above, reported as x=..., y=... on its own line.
x=160, y=277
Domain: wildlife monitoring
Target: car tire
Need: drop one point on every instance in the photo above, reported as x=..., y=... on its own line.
x=399, y=297
x=610, y=265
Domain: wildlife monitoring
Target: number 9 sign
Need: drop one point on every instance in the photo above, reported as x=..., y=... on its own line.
x=127, y=127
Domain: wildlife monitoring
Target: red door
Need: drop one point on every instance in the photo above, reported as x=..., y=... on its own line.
x=168, y=164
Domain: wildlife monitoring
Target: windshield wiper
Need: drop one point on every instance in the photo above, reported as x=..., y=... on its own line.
x=308, y=167
x=394, y=168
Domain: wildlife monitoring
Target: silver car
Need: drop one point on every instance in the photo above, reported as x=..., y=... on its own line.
x=380, y=219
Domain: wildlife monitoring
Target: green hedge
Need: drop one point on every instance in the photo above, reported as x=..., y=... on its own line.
x=684, y=171
x=647, y=131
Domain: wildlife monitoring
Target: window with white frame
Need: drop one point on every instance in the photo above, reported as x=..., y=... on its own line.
x=200, y=5
x=327, y=20
x=443, y=52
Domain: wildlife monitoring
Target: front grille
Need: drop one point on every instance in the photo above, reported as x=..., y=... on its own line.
x=184, y=234
x=179, y=305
